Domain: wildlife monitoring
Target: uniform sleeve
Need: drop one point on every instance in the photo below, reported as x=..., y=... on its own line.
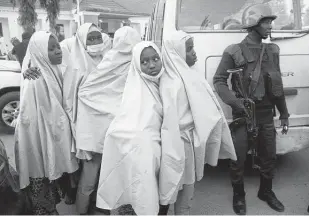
x=220, y=82
x=14, y=51
x=280, y=101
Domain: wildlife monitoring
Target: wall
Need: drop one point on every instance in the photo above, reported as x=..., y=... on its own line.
x=11, y=28
x=140, y=24
x=90, y=19
x=114, y=25
x=5, y=29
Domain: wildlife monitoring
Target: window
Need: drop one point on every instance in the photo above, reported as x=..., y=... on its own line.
x=155, y=30
x=305, y=14
x=104, y=26
x=196, y=15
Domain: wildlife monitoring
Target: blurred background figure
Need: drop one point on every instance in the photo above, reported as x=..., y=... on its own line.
x=231, y=24
x=60, y=32
x=21, y=48
x=12, y=54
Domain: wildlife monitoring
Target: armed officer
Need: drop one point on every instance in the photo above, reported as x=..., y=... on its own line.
x=261, y=83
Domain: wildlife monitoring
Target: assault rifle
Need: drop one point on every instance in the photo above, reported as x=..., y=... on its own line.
x=249, y=117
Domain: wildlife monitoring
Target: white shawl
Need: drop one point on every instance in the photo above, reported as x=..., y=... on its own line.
x=99, y=97
x=212, y=138
x=131, y=155
x=79, y=66
x=43, y=134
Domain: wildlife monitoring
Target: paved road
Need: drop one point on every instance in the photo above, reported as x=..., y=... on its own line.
x=214, y=195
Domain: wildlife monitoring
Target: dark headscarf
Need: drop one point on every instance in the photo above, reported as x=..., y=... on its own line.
x=8, y=176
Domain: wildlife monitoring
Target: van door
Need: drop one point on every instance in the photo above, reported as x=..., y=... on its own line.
x=216, y=24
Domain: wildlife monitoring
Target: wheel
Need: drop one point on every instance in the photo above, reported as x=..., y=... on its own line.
x=9, y=107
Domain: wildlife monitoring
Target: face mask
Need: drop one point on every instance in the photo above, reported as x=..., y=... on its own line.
x=95, y=50
x=153, y=78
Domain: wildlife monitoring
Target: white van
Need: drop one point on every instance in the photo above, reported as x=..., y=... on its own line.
x=215, y=24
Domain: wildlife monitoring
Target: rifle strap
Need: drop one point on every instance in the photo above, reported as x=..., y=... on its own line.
x=257, y=71
x=254, y=81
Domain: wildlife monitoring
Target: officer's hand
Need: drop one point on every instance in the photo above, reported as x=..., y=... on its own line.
x=32, y=73
x=239, y=109
x=285, y=126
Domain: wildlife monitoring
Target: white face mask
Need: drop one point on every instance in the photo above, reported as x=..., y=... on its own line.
x=153, y=78
x=95, y=50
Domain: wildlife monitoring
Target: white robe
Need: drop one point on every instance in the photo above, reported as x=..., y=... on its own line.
x=76, y=69
x=43, y=134
x=212, y=138
x=99, y=97
x=132, y=147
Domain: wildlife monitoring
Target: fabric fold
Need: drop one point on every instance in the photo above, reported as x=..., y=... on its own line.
x=43, y=134
x=99, y=97
x=212, y=139
x=131, y=155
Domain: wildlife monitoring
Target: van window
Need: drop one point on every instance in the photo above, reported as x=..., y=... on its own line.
x=155, y=30
x=197, y=15
x=305, y=14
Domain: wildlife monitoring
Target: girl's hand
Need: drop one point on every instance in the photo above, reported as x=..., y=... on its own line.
x=32, y=73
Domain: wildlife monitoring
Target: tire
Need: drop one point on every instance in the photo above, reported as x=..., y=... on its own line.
x=8, y=114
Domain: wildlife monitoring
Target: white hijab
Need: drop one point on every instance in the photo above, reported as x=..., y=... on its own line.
x=131, y=155
x=212, y=138
x=66, y=47
x=67, y=44
x=99, y=97
x=107, y=41
x=78, y=67
x=82, y=60
x=43, y=135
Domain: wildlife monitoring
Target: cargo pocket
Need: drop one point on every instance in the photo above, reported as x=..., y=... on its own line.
x=275, y=85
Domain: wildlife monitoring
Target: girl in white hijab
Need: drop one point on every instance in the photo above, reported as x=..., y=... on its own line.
x=43, y=134
x=73, y=75
x=194, y=129
x=132, y=148
x=66, y=47
x=99, y=98
x=87, y=52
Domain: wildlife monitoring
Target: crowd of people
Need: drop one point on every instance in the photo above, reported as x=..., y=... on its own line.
x=106, y=123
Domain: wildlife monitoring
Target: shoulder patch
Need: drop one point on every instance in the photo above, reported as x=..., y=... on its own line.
x=274, y=48
x=232, y=49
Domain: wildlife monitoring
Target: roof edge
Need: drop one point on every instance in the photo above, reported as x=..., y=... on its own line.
x=113, y=11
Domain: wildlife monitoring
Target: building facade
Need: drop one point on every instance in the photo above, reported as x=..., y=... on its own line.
x=109, y=15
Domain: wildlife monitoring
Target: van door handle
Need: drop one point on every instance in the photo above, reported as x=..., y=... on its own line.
x=290, y=91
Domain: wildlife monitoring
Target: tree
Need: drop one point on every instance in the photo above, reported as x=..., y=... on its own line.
x=28, y=17
x=52, y=8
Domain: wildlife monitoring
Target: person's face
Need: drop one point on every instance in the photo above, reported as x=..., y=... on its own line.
x=264, y=28
x=190, y=52
x=94, y=38
x=54, y=51
x=150, y=62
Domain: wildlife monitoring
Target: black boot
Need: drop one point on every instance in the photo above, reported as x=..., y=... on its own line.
x=163, y=209
x=308, y=209
x=239, y=201
x=266, y=194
